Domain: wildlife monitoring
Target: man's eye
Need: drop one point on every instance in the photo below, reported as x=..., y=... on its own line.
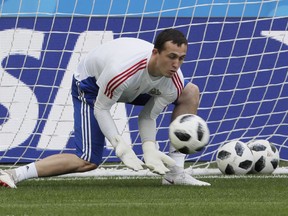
x=172, y=56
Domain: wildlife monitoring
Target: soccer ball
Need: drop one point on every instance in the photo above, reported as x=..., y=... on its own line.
x=189, y=133
x=266, y=156
x=234, y=158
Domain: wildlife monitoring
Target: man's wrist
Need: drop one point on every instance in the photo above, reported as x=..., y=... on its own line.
x=149, y=146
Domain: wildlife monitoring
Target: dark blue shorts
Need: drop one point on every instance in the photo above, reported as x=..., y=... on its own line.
x=89, y=140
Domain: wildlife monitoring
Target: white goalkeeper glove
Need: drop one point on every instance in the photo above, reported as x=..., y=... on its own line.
x=155, y=159
x=126, y=154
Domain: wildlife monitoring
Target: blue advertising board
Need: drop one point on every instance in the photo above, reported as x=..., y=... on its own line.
x=239, y=63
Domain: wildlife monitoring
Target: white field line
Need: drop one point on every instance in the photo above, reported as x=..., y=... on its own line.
x=108, y=173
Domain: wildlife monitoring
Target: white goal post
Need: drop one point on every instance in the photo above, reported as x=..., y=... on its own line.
x=237, y=55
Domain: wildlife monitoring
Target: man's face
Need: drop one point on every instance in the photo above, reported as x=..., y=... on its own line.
x=170, y=59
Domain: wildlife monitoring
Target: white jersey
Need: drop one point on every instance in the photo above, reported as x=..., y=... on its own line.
x=120, y=68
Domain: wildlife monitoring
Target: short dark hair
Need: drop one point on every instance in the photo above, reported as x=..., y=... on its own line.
x=176, y=36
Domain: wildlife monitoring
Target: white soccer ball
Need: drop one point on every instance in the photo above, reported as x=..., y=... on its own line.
x=234, y=158
x=266, y=156
x=189, y=133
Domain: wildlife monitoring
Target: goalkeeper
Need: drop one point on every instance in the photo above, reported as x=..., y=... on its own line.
x=126, y=70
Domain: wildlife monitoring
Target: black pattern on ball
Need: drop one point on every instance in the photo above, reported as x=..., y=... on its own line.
x=259, y=164
x=258, y=147
x=273, y=148
x=183, y=136
x=184, y=150
x=239, y=149
x=274, y=163
x=186, y=118
x=246, y=164
x=200, y=132
x=223, y=155
x=229, y=170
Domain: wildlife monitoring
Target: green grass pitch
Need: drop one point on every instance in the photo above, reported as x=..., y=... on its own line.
x=248, y=195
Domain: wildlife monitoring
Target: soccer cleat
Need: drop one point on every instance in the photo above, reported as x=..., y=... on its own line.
x=6, y=180
x=182, y=179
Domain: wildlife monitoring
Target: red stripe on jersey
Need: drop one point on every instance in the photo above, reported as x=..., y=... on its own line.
x=123, y=76
x=178, y=84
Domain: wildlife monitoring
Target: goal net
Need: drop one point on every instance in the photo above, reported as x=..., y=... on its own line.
x=237, y=55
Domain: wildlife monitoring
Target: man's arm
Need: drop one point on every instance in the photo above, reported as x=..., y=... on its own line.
x=107, y=125
x=102, y=113
x=154, y=159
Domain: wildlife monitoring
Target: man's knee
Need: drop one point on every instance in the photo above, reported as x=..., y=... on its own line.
x=84, y=166
x=190, y=95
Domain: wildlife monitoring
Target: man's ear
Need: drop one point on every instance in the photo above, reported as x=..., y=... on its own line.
x=154, y=51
